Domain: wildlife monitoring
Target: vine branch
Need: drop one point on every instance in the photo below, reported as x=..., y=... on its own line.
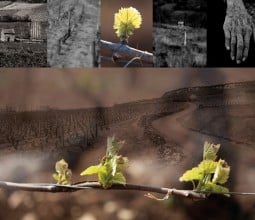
x=124, y=51
x=55, y=188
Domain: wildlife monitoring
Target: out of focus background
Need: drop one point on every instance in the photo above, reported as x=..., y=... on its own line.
x=164, y=116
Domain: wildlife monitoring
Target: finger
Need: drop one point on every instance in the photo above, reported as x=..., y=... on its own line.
x=254, y=33
x=233, y=45
x=227, y=38
x=247, y=39
x=240, y=46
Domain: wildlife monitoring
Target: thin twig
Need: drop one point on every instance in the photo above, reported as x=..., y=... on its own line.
x=131, y=61
x=230, y=193
x=124, y=61
x=126, y=52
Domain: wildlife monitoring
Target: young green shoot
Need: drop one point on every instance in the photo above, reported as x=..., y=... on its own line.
x=63, y=175
x=109, y=170
x=210, y=174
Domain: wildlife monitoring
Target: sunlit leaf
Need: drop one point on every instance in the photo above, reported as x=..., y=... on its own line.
x=61, y=166
x=126, y=21
x=212, y=187
x=190, y=175
x=221, y=173
x=122, y=163
x=210, y=151
x=114, y=165
x=105, y=177
x=55, y=176
x=91, y=170
x=113, y=146
x=63, y=175
x=119, y=178
x=207, y=166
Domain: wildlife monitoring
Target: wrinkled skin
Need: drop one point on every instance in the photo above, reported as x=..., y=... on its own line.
x=238, y=28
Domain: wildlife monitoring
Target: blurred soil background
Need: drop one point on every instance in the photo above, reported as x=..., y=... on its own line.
x=162, y=119
x=169, y=48
x=142, y=37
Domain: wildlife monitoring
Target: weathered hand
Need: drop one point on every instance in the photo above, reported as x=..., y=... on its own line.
x=238, y=30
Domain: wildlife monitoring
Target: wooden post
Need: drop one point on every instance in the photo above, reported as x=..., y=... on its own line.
x=185, y=39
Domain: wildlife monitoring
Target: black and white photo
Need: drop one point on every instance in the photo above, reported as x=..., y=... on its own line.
x=231, y=33
x=23, y=27
x=180, y=35
x=73, y=33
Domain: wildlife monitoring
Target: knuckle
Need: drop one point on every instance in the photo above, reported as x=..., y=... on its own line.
x=233, y=41
x=240, y=48
x=240, y=44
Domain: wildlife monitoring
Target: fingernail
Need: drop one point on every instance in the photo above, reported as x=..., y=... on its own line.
x=244, y=59
x=238, y=61
x=228, y=48
x=232, y=58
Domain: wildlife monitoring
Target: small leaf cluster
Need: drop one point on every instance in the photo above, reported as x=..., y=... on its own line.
x=126, y=21
x=109, y=171
x=210, y=174
x=63, y=175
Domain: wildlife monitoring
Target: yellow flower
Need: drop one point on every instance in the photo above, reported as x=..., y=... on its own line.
x=126, y=20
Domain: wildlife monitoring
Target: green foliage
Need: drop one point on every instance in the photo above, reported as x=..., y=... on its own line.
x=221, y=174
x=191, y=175
x=210, y=151
x=209, y=174
x=126, y=21
x=110, y=169
x=63, y=175
x=212, y=187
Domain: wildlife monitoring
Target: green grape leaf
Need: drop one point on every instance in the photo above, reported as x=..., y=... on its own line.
x=91, y=170
x=122, y=163
x=212, y=187
x=63, y=175
x=221, y=173
x=113, y=146
x=104, y=177
x=61, y=166
x=110, y=169
x=207, y=166
x=190, y=175
x=210, y=151
x=114, y=164
x=119, y=178
x=55, y=176
x=126, y=21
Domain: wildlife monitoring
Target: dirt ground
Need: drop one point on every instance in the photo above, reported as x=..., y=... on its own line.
x=151, y=162
x=169, y=48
